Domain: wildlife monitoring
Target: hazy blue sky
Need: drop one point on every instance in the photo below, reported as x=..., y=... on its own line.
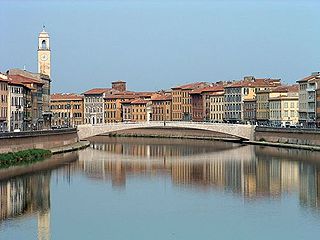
x=159, y=44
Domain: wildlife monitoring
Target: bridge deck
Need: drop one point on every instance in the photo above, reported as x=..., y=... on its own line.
x=241, y=131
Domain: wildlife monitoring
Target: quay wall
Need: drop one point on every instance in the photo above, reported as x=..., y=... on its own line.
x=295, y=136
x=47, y=139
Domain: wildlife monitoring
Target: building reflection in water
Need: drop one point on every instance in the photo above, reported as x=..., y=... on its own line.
x=27, y=196
x=250, y=171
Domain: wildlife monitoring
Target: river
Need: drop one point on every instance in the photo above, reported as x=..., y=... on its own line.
x=147, y=188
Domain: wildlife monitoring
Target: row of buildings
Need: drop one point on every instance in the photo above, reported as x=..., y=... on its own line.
x=262, y=101
x=24, y=101
x=25, y=96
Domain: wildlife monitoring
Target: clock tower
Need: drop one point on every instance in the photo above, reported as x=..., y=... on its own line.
x=44, y=53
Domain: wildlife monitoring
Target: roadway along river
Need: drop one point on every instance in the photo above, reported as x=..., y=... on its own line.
x=144, y=188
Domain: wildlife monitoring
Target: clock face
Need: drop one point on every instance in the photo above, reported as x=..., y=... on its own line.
x=44, y=57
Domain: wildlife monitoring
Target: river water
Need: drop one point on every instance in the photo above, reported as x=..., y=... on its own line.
x=142, y=188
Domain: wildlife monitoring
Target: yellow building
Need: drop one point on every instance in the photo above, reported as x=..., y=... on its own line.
x=67, y=109
x=216, y=105
x=139, y=110
x=284, y=107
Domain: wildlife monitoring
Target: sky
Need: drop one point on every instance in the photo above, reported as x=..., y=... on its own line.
x=155, y=45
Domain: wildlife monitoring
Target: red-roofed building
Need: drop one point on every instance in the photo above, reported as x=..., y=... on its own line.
x=237, y=92
x=181, y=101
x=35, y=118
x=113, y=106
x=40, y=101
x=139, y=110
x=200, y=102
x=161, y=105
x=67, y=109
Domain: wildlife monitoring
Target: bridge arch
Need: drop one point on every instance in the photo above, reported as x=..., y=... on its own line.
x=245, y=132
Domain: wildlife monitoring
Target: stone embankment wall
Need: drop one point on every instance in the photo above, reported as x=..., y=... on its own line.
x=16, y=141
x=288, y=135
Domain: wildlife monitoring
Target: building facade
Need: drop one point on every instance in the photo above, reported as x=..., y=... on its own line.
x=250, y=111
x=161, y=107
x=3, y=102
x=216, y=106
x=16, y=102
x=67, y=109
x=181, y=101
x=237, y=92
x=139, y=110
x=284, y=106
x=307, y=99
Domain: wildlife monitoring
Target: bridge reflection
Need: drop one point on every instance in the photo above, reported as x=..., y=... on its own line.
x=249, y=172
x=252, y=172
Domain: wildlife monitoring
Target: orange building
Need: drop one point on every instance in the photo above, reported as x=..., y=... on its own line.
x=181, y=101
x=161, y=107
x=113, y=106
x=67, y=109
x=139, y=110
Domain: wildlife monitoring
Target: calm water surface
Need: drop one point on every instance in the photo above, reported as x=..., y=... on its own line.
x=129, y=188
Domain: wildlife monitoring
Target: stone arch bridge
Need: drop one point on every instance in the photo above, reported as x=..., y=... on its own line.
x=241, y=131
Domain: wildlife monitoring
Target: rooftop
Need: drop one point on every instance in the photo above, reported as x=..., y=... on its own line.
x=139, y=101
x=66, y=96
x=191, y=86
x=24, y=80
x=97, y=91
x=257, y=82
x=161, y=97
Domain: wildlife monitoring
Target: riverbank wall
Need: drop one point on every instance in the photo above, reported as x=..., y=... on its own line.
x=293, y=136
x=47, y=139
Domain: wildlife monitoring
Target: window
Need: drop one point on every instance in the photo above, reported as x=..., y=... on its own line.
x=44, y=44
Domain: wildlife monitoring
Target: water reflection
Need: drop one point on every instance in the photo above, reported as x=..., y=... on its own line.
x=248, y=172
x=253, y=172
x=27, y=196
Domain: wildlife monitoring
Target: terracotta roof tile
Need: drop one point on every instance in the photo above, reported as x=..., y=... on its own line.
x=23, y=79
x=208, y=89
x=308, y=78
x=260, y=82
x=139, y=101
x=66, y=96
x=191, y=85
x=161, y=97
x=97, y=91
